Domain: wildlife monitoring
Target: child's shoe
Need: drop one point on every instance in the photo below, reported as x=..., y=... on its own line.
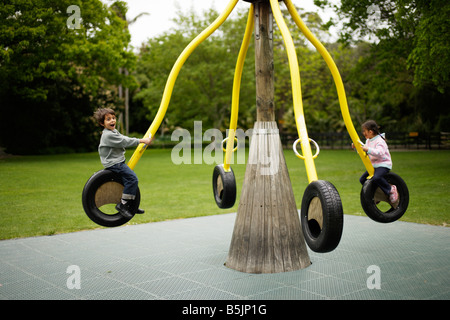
x=393, y=195
x=134, y=207
x=124, y=210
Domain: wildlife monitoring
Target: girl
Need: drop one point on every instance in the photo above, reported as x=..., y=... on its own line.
x=378, y=151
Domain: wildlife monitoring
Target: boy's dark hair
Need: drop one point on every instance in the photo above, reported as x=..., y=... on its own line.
x=101, y=113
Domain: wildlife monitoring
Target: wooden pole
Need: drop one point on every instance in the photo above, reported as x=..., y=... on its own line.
x=267, y=236
x=264, y=69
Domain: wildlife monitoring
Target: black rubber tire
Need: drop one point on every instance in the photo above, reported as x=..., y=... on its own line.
x=325, y=238
x=226, y=197
x=88, y=199
x=373, y=211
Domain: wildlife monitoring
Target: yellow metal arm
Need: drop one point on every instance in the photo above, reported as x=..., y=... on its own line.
x=173, y=76
x=339, y=85
x=296, y=91
x=236, y=88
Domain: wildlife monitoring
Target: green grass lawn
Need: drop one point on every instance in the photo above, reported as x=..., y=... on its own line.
x=41, y=195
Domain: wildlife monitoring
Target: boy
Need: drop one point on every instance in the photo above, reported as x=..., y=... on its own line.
x=112, y=155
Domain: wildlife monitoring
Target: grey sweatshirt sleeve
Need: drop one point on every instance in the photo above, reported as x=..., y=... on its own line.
x=114, y=139
x=112, y=147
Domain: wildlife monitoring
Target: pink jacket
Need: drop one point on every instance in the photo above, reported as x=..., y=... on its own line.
x=379, y=152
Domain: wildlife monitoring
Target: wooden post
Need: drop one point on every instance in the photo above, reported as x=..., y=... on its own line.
x=267, y=236
x=265, y=108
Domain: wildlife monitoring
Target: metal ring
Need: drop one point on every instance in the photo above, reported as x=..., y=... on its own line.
x=299, y=155
x=226, y=140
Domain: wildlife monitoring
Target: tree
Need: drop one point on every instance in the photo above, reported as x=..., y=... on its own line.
x=421, y=28
x=320, y=101
x=121, y=10
x=55, y=73
x=409, y=56
x=203, y=88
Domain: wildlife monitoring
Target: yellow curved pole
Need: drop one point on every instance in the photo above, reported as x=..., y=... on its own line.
x=236, y=88
x=339, y=85
x=173, y=76
x=296, y=92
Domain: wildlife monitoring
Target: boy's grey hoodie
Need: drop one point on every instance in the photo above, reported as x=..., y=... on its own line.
x=112, y=147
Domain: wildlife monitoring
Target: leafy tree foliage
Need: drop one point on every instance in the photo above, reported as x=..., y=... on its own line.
x=53, y=75
x=406, y=68
x=204, y=87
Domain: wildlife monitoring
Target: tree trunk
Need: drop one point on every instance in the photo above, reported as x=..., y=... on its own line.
x=267, y=236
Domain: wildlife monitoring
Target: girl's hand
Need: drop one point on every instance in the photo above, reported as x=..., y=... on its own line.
x=363, y=146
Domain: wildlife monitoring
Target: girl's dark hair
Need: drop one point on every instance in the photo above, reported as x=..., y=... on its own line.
x=100, y=114
x=371, y=125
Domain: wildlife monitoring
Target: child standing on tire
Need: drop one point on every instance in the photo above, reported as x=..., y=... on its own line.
x=378, y=152
x=112, y=155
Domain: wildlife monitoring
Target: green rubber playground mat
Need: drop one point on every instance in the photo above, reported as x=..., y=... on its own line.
x=184, y=260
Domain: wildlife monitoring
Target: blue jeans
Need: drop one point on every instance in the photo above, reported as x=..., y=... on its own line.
x=378, y=178
x=129, y=180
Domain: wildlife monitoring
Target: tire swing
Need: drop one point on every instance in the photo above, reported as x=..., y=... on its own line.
x=321, y=213
x=377, y=205
x=100, y=195
x=224, y=182
x=321, y=216
x=104, y=187
x=369, y=195
x=224, y=187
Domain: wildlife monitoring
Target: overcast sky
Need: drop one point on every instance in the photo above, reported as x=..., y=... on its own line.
x=161, y=13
